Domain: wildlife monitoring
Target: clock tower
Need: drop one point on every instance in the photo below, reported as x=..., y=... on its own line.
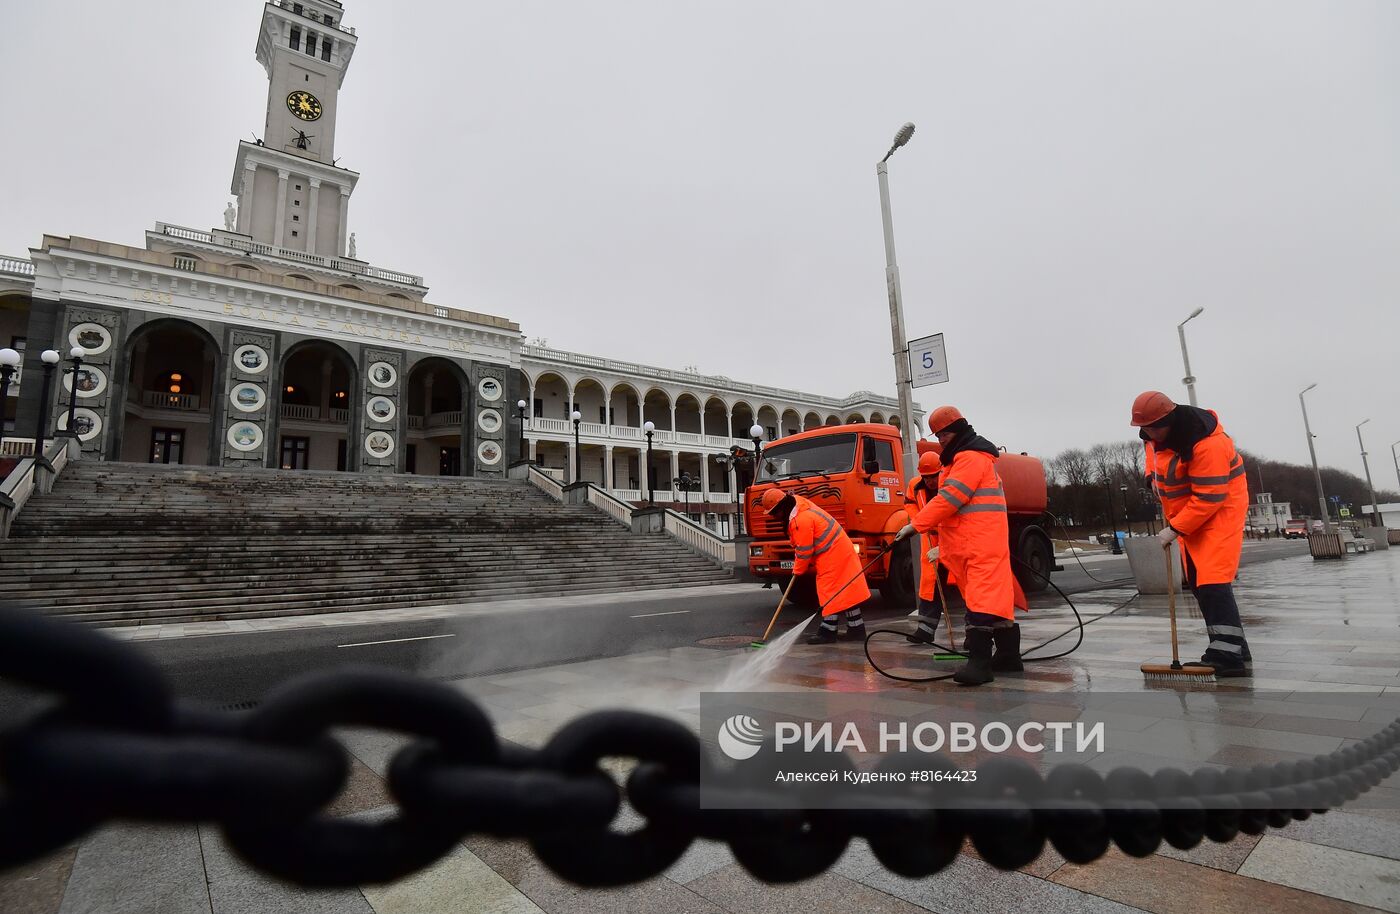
x=291, y=194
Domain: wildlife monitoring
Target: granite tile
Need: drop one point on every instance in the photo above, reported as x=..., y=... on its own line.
x=734, y=890
x=363, y=790
x=1227, y=856
x=236, y=888
x=1360, y=878
x=458, y=882
x=969, y=886
x=38, y=887
x=1166, y=886
x=142, y=869
x=1360, y=833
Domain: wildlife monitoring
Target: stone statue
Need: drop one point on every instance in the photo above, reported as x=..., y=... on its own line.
x=230, y=217
x=352, y=247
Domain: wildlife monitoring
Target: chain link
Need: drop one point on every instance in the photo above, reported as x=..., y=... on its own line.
x=115, y=744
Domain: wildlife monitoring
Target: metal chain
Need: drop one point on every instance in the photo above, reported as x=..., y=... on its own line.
x=115, y=744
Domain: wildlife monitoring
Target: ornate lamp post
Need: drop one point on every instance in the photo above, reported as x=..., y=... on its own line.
x=578, y=456
x=76, y=355
x=1127, y=518
x=650, y=428
x=50, y=358
x=520, y=407
x=684, y=482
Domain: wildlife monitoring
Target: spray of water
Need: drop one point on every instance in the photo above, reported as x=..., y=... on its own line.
x=748, y=672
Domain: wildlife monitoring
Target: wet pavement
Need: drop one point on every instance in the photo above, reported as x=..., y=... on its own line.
x=1314, y=627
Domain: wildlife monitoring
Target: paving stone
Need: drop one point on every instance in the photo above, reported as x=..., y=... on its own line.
x=363, y=790
x=969, y=886
x=1347, y=831
x=1360, y=878
x=1227, y=856
x=1167, y=886
x=38, y=887
x=142, y=869
x=236, y=888
x=458, y=882
x=733, y=889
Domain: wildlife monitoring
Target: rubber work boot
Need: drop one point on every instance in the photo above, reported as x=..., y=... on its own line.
x=1225, y=666
x=1007, y=657
x=823, y=635
x=853, y=633
x=978, y=669
x=919, y=636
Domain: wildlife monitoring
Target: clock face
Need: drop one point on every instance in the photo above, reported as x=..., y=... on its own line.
x=304, y=105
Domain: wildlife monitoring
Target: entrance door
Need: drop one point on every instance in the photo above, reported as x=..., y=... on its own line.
x=167, y=445
x=450, y=462
x=294, y=453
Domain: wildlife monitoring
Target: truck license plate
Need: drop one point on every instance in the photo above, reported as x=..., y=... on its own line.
x=785, y=565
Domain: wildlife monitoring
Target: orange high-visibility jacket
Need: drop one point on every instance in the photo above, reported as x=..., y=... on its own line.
x=1206, y=500
x=969, y=513
x=819, y=542
x=916, y=500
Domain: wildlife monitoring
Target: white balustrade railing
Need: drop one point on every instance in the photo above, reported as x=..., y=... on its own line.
x=541, y=424
x=689, y=438
x=592, y=429
x=16, y=266
x=625, y=432
x=158, y=399
x=297, y=411
x=619, y=511
x=452, y=418
x=17, y=447
x=542, y=479
x=702, y=540
x=415, y=421
x=630, y=495
x=340, y=415
x=717, y=441
x=257, y=247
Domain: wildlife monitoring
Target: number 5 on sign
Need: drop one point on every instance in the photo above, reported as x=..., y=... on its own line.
x=928, y=361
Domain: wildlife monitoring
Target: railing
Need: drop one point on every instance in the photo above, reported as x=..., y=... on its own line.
x=630, y=495
x=625, y=432
x=331, y=263
x=700, y=539
x=689, y=438
x=17, y=447
x=540, y=424
x=414, y=422
x=24, y=480
x=619, y=511
x=595, y=429
x=452, y=419
x=297, y=411
x=340, y=415
x=16, y=266
x=158, y=399
x=545, y=482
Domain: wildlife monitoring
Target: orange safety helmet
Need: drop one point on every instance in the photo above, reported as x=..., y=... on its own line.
x=771, y=498
x=943, y=417
x=929, y=463
x=1151, y=406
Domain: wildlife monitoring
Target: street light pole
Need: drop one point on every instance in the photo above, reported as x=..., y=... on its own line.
x=1393, y=458
x=578, y=456
x=901, y=342
x=1127, y=517
x=1189, y=381
x=650, y=428
x=520, y=405
x=50, y=358
x=1317, y=474
x=1375, y=507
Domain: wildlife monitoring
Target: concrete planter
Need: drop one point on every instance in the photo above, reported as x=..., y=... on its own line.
x=1149, y=569
x=1326, y=545
x=1379, y=536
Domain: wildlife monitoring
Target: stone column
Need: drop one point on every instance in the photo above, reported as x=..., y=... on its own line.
x=245, y=199
x=282, y=175
x=673, y=418
x=608, y=469
x=704, y=474
x=311, y=216
x=675, y=471
x=326, y=366
x=344, y=216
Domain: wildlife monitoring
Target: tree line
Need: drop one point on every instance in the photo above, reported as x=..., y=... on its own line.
x=1083, y=482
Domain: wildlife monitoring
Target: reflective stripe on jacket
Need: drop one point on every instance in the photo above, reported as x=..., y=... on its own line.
x=819, y=542
x=1206, y=500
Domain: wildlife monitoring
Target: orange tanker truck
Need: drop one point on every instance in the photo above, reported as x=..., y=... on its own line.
x=852, y=472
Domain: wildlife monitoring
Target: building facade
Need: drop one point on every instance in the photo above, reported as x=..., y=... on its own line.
x=270, y=342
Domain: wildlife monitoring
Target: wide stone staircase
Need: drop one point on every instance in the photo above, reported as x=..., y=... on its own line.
x=126, y=544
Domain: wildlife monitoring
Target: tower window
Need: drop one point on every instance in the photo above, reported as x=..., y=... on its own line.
x=298, y=187
x=310, y=44
x=295, y=217
x=294, y=233
x=295, y=41
x=325, y=49
x=296, y=202
x=296, y=8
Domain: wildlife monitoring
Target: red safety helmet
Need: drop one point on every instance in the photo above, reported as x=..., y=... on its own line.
x=943, y=417
x=929, y=463
x=1150, y=407
x=771, y=498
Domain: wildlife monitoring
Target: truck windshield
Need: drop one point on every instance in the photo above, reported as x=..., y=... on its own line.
x=828, y=454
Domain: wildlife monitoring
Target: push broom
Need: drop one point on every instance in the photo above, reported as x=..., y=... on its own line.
x=1174, y=671
x=774, y=621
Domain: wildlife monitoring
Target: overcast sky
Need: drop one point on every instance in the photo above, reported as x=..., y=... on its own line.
x=695, y=184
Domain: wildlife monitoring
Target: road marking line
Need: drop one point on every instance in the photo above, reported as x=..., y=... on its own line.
x=679, y=612
x=397, y=640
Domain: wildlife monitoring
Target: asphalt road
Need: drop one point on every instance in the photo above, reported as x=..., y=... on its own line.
x=231, y=670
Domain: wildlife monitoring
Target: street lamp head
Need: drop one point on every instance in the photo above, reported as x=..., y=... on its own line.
x=1196, y=313
x=575, y=415
x=520, y=405
x=755, y=431
x=50, y=357
x=9, y=358
x=1306, y=389
x=904, y=134
x=76, y=353
x=648, y=426
x=1362, y=422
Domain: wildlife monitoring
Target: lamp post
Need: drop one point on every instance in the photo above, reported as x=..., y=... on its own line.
x=1366, y=465
x=650, y=428
x=1127, y=518
x=1393, y=458
x=1317, y=474
x=1113, y=534
x=50, y=358
x=578, y=456
x=756, y=436
x=683, y=482
x=1189, y=381
x=520, y=407
x=76, y=355
x=9, y=362
x=908, y=428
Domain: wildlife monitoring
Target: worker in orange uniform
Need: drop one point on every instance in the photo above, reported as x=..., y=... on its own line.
x=819, y=543
x=920, y=491
x=1199, y=478
x=969, y=513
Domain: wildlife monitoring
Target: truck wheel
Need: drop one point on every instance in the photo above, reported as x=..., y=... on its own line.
x=804, y=592
x=898, y=588
x=1037, y=560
